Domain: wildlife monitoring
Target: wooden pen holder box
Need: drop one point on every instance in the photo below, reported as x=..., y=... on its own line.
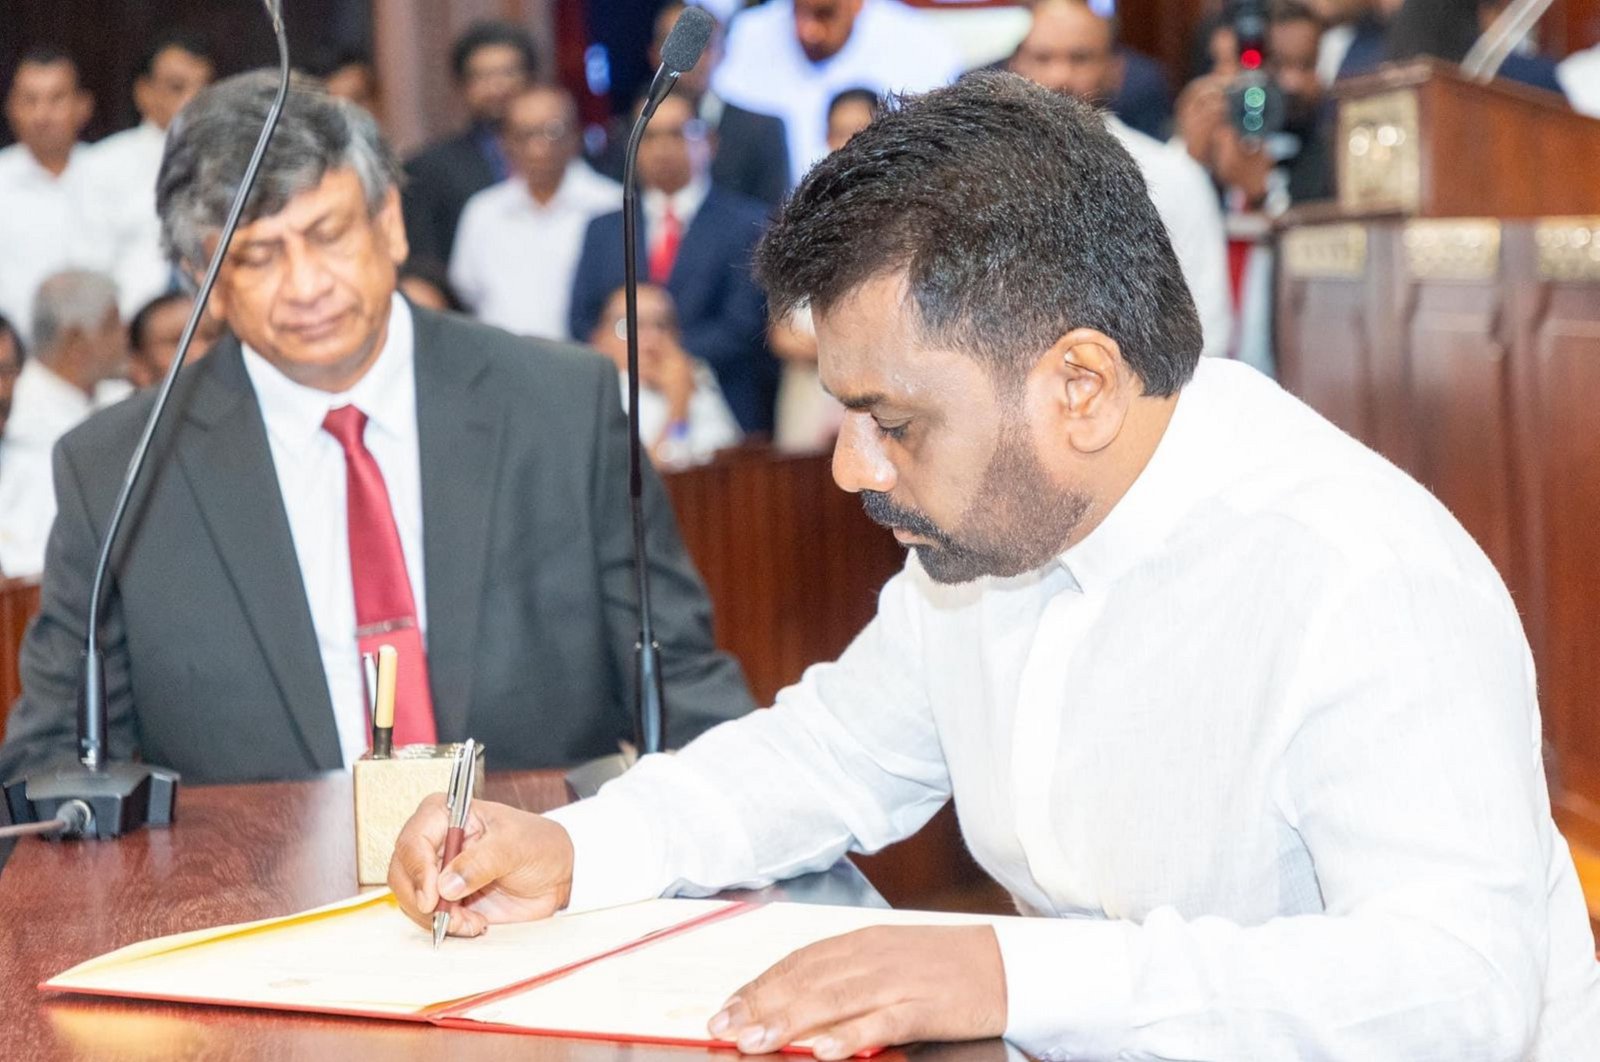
x=387, y=793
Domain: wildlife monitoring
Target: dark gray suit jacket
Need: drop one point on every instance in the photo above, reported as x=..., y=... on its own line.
x=212, y=661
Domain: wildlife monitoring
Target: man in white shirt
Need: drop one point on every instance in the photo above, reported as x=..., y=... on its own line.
x=79, y=345
x=1233, y=708
x=518, y=242
x=125, y=165
x=1071, y=49
x=51, y=214
x=790, y=57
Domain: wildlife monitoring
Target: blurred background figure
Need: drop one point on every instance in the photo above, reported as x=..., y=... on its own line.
x=808, y=418
x=790, y=57
x=750, y=157
x=696, y=239
x=348, y=74
x=78, y=347
x=1353, y=38
x=516, y=251
x=427, y=284
x=491, y=63
x=51, y=213
x=1579, y=74
x=173, y=69
x=154, y=332
x=1071, y=49
x=1447, y=29
x=12, y=355
x=683, y=418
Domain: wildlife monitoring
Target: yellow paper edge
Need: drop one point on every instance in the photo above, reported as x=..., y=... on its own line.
x=198, y=937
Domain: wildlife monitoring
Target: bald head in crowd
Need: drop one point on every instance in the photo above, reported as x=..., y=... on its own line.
x=77, y=332
x=1070, y=49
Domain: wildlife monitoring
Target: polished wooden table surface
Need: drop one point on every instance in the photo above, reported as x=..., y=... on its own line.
x=237, y=853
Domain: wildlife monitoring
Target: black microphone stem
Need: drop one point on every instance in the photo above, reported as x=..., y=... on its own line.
x=92, y=741
x=649, y=696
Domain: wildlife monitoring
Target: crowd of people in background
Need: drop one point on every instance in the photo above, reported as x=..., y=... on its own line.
x=515, y=218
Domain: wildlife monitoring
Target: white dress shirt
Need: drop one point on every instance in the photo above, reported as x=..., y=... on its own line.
x=1187, y=202
x=891, y=48
x=125, y=166
x=44, y=408
x=710, y=425
x=1262, y=751
x=514, y=258
x=310, y=466
x=1579, y=75
x=47, y=223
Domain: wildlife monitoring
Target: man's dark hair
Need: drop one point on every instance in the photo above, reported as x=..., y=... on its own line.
x=1016, y=217
x=326, y=60
x=1282, y=11
x=45, y=55
x=494, y=31
x=872, y=100
x=141, y=320
x=183, y=40
x=9, y=329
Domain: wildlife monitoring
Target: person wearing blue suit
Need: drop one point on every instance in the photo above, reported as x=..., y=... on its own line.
x=706, y=269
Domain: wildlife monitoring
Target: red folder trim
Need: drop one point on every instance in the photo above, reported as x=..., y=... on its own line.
x=448, y=1015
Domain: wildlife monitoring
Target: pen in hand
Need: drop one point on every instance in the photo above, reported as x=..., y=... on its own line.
x=463, y=776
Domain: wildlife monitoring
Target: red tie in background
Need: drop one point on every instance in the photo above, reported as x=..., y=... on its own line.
x=386, y=612
x=665, y=251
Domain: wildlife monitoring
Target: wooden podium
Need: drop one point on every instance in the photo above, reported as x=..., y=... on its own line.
x=1447, y=313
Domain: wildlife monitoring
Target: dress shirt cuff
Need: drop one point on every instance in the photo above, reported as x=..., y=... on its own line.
x=1068, y=986
x=616, y=858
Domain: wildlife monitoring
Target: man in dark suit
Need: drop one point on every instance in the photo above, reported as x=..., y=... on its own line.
x=696, y=239
x=751, y=154
x=347, y=470
x=492, y=62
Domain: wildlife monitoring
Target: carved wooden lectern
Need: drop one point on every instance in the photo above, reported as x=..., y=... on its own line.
x=1447, y=313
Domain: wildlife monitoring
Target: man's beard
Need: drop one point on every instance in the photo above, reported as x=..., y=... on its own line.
x=1018, y=521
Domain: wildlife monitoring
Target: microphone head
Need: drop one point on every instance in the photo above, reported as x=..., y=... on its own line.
x=687, y=41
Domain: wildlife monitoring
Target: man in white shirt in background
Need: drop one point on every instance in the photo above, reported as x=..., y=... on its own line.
x=1232, y=707
x=1071, y=49
x=518, y=242
x=790, y=57
x=125, y=164
x=79, y=345
x=51, y=213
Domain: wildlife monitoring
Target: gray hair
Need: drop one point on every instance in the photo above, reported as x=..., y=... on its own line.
x=211, y=140
x=71, y=300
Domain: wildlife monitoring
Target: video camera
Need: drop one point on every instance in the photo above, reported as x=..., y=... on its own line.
x=1255, y=103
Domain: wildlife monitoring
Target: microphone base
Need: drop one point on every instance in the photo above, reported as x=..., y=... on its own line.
x=122, y=796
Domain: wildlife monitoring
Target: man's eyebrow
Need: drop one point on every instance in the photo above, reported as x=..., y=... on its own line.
x=857, y=403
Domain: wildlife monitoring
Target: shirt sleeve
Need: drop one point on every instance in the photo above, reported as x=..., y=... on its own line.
x=1188, y=205
x=1413, y=776
x=848, y=759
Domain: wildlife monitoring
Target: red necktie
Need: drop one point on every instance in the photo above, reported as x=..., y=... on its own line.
x=665, y=251
x=386, y=613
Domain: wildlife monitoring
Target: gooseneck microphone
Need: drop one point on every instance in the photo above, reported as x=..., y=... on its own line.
x=679, y=53
x=124, y=796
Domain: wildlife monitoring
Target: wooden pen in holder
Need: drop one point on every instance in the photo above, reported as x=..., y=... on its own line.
x=389, y=786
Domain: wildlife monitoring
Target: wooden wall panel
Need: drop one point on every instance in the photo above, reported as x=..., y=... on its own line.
x=1558, y=373
x=19, y=600
x=1458, y=386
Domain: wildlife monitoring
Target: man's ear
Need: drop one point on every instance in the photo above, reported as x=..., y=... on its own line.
x=1081, y=389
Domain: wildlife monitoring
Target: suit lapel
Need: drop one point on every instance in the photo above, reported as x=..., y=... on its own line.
x=228, y=465
x=458, y=434
x=687, y=284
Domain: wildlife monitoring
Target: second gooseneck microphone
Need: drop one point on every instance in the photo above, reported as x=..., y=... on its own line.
x=682, y=49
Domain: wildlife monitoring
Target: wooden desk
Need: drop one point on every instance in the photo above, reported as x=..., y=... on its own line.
x=241, y=852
